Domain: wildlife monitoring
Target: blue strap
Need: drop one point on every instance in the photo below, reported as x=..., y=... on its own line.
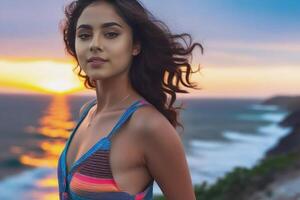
x=63, y=155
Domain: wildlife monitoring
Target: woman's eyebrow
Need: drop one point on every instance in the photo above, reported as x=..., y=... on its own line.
x=105, y=25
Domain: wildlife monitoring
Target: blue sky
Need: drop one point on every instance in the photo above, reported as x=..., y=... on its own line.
x=251, y=47
x=233, y=32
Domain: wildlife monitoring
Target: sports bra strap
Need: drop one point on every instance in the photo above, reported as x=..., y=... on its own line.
x=94, y=101
x=126, y=115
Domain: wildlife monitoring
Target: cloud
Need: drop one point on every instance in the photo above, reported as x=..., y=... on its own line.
x=288, y=46
x=232, y=34
x=224, y=53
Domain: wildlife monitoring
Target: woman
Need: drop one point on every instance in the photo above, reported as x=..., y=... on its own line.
x=126, y=137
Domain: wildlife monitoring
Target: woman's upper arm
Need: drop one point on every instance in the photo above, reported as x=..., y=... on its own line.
x=165, y=158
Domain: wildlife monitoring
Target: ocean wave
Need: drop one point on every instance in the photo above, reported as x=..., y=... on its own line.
x=274, y=130
x=205, y=144
x=264, y=107
x=269, y=117
x=26, y=185
x=241, y=137
x=274, y=117
x=215, y=159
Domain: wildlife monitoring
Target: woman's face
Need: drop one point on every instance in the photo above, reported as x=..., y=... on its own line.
x=102, y=33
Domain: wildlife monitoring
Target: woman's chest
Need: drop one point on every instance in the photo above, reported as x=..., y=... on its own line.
x=124, y=153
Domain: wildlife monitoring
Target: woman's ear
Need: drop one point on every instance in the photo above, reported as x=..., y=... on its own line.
x=136, y=49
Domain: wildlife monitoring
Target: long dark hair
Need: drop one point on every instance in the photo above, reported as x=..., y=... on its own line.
x=158, y=69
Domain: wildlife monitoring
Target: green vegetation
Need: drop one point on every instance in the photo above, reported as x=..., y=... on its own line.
x=241, y=182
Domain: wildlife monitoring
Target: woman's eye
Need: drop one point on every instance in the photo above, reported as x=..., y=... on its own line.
x=112, y=33
x=83, y=36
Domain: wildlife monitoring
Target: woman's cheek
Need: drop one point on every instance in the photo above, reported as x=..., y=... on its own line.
x=80, y=56
x=122, y=55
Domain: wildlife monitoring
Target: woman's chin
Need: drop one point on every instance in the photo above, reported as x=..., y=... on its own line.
x=97, y=78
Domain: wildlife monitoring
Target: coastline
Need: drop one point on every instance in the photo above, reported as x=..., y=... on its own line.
x=286, y=184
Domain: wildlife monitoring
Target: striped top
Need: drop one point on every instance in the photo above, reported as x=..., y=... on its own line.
x=90, y=177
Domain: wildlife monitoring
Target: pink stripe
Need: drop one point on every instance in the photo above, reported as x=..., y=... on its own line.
x=140, y=196
x=77, y=185
x=143, y=101
x=93, y=180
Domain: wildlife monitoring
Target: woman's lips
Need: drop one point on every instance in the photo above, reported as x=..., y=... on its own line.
x=96, y=63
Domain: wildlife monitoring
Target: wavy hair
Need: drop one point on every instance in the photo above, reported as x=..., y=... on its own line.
x=160, y=67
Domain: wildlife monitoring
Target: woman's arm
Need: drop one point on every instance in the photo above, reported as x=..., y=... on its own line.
x=165, y=158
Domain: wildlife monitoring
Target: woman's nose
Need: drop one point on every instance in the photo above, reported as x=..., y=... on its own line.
x=95, y=44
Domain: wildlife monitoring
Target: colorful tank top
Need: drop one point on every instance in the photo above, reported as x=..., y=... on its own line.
x=90, y=177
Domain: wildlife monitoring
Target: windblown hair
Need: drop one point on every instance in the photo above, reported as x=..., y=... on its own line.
x=158, y=69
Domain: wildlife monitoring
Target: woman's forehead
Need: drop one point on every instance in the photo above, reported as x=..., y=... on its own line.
x=99, y=14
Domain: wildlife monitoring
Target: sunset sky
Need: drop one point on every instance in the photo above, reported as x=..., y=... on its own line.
x=251, y=47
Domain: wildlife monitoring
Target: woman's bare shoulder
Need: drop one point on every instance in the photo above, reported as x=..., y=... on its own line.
x=144, y=114
x=148, y=121
x=84, y=106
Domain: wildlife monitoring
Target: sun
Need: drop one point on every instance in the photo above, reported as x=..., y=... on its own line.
x=59, y=86
x=44, y=76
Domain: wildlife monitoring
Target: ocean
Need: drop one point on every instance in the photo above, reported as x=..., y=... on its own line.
x=219, y=134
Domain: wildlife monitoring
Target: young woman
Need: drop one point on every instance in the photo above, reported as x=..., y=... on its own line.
x=125, y=138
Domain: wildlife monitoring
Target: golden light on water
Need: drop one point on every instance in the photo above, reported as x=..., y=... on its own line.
x=53, y=148
x=55, y=125
x=50, y=132
x=32, y=160
x=48, y=183
x=53, y=196
x=57, y=119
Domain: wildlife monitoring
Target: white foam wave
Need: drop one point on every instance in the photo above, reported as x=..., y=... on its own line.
x=274, y=117
x=205, y=144
x=274, y=130
x=269, y=117
x=215, y=159
x=264, y=107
